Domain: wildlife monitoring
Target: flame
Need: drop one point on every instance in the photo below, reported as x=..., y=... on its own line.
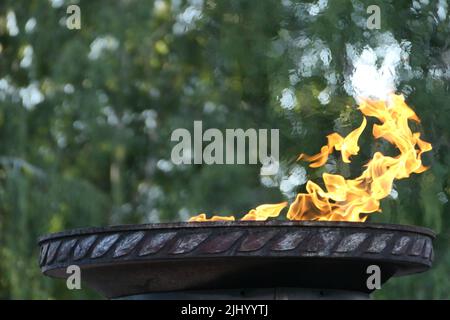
x=265, y=211
x=348, y=147
x=260, y=213
x=354, y=199
x=202, y=217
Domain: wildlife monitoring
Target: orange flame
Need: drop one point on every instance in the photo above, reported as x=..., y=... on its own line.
x=260, y=213
x=202, y=217
x=354, y=199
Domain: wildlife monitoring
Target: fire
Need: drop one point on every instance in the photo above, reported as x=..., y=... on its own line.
x=354, y=199
x=260, y=213
x=202, y=217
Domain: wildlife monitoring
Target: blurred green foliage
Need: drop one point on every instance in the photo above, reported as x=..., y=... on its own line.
x=86, y=115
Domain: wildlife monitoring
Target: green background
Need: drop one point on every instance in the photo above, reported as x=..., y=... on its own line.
x=85, y=123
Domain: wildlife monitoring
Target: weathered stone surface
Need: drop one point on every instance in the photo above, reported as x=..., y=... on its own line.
x=221, y=242
x=188, y=243
x=155, y=243
x=53, y=247
x=401, y=245
x=64, y=251
x=379, y=243
x=351, y=242
x=83, y=247
x=43, y=254
x=104, y=245
x=428, y=251
x=127, y=244
x=289, y=240
x=323, y=242
x=417, y=247
x=256, y=240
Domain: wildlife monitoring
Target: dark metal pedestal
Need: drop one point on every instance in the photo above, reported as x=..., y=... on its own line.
x=218, y=257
